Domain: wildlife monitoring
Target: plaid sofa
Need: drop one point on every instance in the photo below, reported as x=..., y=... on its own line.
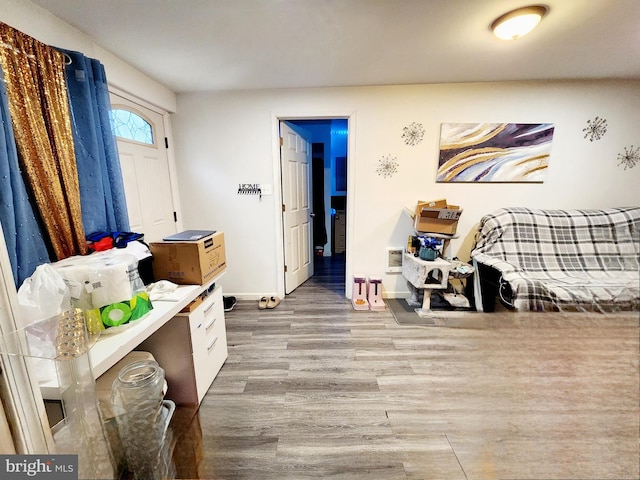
x=558, y=259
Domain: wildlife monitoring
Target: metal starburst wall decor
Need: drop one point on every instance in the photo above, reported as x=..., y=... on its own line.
x=413, y=134
x=630, y=157
x=387, y=166
x=595, y=129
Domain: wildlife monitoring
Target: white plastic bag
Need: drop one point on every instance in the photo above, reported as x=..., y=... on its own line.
x=43, y=295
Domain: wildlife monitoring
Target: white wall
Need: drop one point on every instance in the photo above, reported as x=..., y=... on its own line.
x=228, y=138
x=45, y=27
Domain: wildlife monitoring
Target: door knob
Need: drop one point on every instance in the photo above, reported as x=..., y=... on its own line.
x=312, y=215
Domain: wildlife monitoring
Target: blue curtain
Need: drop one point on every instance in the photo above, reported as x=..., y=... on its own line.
x=102, y=196
x=25, y=244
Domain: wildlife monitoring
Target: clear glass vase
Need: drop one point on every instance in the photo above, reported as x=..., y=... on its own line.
x=59, y=348
x=142, y=418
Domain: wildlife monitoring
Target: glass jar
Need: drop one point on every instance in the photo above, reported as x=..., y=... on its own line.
x=137, y=398
x=138, y=386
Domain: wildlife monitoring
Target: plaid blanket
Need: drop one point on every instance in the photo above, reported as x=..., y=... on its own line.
x=564, y=259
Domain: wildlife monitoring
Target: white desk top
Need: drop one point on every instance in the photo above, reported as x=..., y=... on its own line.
x=111, y=348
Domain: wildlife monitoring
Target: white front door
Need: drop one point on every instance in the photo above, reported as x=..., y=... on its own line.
x=146, y=176
x=295, y=157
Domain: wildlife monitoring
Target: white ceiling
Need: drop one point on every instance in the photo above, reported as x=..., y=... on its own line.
x=191, y=45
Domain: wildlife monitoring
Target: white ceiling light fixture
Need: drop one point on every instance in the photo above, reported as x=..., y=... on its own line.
x=519, y=22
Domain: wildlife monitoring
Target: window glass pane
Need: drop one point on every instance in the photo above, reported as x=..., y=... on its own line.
x=131, y=126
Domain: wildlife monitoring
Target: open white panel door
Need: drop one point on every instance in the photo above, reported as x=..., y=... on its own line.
x=295, y=157
x=146, y=176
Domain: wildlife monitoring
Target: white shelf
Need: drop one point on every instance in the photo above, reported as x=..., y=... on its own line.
x=111, y=348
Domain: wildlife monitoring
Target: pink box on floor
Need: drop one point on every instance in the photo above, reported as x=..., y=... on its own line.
x=359, y=293
x=374, y=294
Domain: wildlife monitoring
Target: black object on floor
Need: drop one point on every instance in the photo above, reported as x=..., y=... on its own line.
x=229, y=303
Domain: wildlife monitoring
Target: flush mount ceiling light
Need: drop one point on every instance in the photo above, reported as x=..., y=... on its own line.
x=519, y=22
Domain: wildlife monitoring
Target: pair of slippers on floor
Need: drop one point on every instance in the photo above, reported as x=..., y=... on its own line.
x=268, y=302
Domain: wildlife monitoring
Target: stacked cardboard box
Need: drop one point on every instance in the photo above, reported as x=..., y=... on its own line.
x=436, y=216
x=190, y=262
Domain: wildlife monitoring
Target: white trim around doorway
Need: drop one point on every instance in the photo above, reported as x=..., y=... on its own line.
x=276, y=118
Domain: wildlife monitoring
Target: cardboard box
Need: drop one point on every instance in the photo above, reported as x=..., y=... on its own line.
x=436, y=217
x=192, y=306
x=189, y=263
x=442, y=203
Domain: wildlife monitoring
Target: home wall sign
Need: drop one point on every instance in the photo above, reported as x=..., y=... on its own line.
x=494, y=152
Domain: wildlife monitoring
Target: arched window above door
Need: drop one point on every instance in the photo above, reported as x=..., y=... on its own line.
x=129, y=125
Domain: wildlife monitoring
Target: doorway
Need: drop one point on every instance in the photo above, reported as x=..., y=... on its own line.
x=330, y=143
x=146, y=170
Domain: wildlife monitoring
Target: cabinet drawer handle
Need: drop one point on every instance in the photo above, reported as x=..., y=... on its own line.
x=210, y=324
x=213, y=342
x=206, y=310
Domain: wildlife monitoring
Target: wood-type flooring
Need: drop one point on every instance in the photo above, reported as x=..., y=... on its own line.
x=313, y=389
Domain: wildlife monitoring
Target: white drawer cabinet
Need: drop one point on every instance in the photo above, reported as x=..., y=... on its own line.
x=208, y=340
x=191, y=347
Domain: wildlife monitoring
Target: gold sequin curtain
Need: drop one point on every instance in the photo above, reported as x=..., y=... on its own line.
x=36, y=86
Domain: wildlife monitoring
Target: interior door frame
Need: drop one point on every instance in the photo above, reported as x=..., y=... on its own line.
x=276, y=118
